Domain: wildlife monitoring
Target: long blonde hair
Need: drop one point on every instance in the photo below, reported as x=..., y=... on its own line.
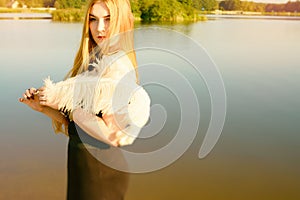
x=121, y=21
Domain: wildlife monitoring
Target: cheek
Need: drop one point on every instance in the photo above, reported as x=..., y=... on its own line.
x=107, y=25
x=91, y=28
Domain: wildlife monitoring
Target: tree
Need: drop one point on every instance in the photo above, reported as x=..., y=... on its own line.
x=231, y=5
x=49, y=3
x=209, y=4
x=69, y=3
x=135, y=7
x=187, y=5
x=247, y=6
x=292, y=6
x=33, y=3
x=275, y=7
x=160, y=10
x=197, y=4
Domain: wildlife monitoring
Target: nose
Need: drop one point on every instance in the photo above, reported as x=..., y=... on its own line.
x=101, y=25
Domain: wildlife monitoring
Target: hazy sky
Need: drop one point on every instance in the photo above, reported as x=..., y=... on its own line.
x=271, y=1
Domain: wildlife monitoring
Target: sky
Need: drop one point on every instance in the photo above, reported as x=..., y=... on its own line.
x=271, y=1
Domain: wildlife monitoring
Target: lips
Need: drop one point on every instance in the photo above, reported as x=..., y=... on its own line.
x=101, y=37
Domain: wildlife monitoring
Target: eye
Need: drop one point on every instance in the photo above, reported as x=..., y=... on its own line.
x=92, y=19
x=107, y=19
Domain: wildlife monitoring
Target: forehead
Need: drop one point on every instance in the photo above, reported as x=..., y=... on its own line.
x=99, y=10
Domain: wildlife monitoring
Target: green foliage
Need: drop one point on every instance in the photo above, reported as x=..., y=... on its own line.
x=209, y=5
x=197, y=4
x=63, y=4
x=164, y=10
x=171, y=10
x=33, y=3
x=230, y=5
x=242, y=5
x=161, y=10
x=68, y=15
x=135, y=7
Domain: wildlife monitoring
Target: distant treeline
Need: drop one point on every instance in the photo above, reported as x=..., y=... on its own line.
x=160, y=10
x=259, y=7
x=288, y=7
x=62, y=4
x=47, y=3
x=148, y=10
x=242, y=5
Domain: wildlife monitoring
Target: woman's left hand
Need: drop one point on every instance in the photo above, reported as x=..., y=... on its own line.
x=44, y=100
x=115, y=124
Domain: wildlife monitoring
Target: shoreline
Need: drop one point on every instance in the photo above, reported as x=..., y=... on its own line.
x=24, y=16
x=240, y=16
x=32, y=15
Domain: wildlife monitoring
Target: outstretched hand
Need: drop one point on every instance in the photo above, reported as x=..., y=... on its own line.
x=31, y=99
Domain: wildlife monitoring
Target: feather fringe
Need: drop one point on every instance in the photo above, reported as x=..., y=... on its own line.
x=94, y=95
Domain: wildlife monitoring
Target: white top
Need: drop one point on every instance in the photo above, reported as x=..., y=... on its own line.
x=110, y=88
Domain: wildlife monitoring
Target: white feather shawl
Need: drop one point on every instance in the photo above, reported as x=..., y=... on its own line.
x=110, y=87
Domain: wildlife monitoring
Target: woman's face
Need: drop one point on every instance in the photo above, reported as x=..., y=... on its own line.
x=99, y=18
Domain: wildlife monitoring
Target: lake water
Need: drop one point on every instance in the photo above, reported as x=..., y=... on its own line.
x=256, y=157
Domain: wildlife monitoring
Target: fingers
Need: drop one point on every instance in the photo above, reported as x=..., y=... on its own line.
x=42, y=98
x=107, y=120
x=32, y=92
x=29, y=94
x=41, y=91
x=24, y=100
x=43, y=102
x=114, y=139
x=42, y=88
x=21, y=100
x=42, y=95
x=115, y=121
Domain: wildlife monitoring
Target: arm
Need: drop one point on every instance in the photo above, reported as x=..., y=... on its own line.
x=95, y=127
x=114, y=129
x=31, y=99
x=55, y=115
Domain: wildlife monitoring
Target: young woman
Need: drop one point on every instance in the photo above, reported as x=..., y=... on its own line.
x=105, y=62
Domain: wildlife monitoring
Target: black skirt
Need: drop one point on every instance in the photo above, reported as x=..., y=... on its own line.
x=88, y=177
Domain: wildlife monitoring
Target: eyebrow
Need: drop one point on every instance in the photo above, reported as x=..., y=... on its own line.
x=91, y=15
